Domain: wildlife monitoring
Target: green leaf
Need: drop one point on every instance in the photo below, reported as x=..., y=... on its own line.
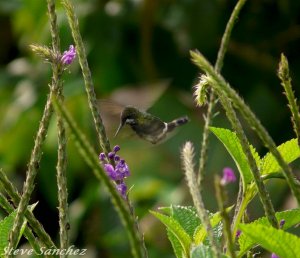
x=5, y=227
x=233, y=146
x=289, y=151
x=177, y=230
x=274, y=240
x=200, y=232
x=187, y=217
x=203, y=251
x=291, y=217
x=177, y=247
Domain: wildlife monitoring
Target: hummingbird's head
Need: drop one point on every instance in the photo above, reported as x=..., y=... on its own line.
x=128, y=116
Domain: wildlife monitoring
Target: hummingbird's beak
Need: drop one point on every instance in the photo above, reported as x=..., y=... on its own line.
x=120, y=127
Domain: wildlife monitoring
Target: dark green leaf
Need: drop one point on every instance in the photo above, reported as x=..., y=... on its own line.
x=274, y=240
x=233, y=146
x=177, y=230
x=289, y=151
x=291, y=217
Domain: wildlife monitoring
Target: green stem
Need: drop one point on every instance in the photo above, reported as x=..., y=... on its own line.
x=34, y=223
x=88, y=154
x=4, y=203
x=238, y=216
x=89, y=85
x=220, y=83
x=236, y=125
x=226, y=37
x=188, y=164
x=61, y=134
x=238, y=204
x=32, y=170
x=211, y=104
x=283, y=74
x=221, y=199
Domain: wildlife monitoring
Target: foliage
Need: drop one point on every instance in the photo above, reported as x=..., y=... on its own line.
x=185, y=230
x=141, y=43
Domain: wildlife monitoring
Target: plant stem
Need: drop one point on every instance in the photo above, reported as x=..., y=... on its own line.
x=221, y=199
x=283, y=74
x=4, y=203
x=220, y=83
x=238, y=216
x=226, y=37
x=61, y=134
x=236, y=125
x=32, y=170
x=88, y=154
x=188, y=164
x=34, y=223
x=238, y=207
x=89, y=85
x=211, y=103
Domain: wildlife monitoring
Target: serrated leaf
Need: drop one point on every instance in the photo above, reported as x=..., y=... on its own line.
x=166, y=210
x=200, y=232
x=291, y=217
x=289, y=151
x=203, y=251
x=274, y=240
x=5, y=227
x=181, y=235
x=178, y=250
x=233, y=146
x=218, y=235
x=187, y=217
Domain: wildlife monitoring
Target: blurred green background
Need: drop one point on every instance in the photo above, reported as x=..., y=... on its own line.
x=140, y=43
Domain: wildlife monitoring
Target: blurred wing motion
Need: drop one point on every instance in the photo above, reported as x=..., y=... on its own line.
x=141, y=97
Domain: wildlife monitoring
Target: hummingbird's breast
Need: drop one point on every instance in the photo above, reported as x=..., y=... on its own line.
x=152, y=130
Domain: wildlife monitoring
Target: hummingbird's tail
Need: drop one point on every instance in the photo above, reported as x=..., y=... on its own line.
x=177, y=122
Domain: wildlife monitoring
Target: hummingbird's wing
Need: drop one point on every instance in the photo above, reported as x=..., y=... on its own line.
x=142, y=96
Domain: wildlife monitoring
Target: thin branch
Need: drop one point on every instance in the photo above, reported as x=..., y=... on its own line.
x=87, y=76
x=61, y=134
x=212, y=102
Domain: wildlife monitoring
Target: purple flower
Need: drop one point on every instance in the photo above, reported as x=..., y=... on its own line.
x=281, y=223
x=274, y=256
x=228, y=176
x=68, y=56
x=111, y=155
x=110, y=171
x=122, y=189
x=238, y=233
x=122, y=169
x=116, y=148
x=102, y=156
x=118, y=172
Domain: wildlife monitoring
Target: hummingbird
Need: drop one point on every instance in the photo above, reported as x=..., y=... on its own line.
x=148, y=126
